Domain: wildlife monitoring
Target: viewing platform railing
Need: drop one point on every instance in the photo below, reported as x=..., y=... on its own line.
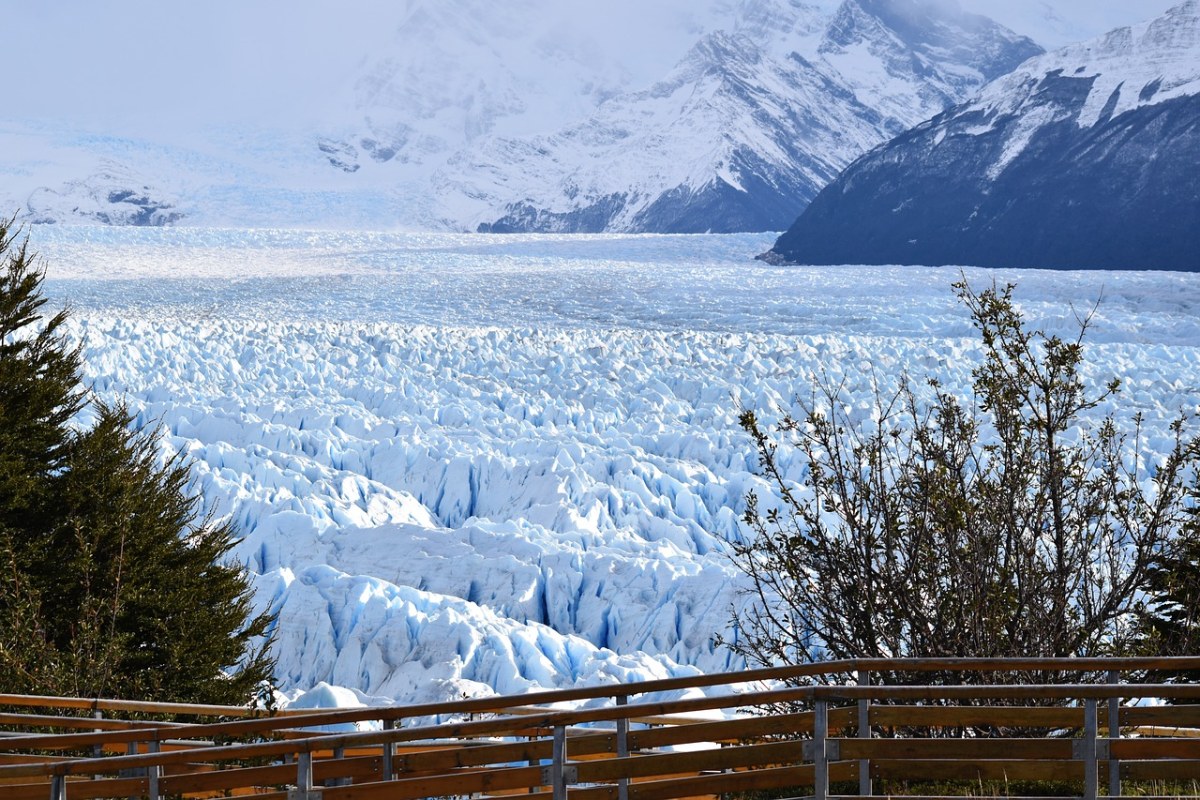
x=1091, y=727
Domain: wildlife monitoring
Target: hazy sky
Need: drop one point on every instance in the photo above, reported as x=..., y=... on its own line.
x=275, y=60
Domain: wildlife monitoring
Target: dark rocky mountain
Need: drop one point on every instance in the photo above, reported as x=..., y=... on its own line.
x=1083, y=158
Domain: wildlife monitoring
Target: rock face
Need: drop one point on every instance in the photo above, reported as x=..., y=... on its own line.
x=745, y=130
x=1083, y=158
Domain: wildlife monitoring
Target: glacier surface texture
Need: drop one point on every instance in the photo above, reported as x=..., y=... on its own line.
x=468, y=464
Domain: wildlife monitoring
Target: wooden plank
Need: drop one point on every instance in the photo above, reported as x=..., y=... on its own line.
x=1148, y=749
x=462, y=783
x=1178, y=716
x=109, y=787
x=26, y=791
x=720, y=783
x=728, y=731
x=721, y=758
x=1012, y=770
x=448, y=759
x=363, y=768
x=1183, y=770
x=79, y=723
x=976, y=716
x=22, y=758
x=958, y=749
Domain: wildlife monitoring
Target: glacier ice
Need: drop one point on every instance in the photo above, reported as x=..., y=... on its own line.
x=466, y=464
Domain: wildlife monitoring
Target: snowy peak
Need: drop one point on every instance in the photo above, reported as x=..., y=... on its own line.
x=914, y=58
x=1128, y=68
x=745, y=130
x=1082, y=158
x=722, y=115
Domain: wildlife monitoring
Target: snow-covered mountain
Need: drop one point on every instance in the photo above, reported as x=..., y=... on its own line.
x=745, y=130
x=673, y=116
x=1083, y=158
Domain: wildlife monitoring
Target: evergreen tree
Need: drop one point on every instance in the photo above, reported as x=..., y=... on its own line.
x=115, y=585
x=39, y=388
x=1171, y=620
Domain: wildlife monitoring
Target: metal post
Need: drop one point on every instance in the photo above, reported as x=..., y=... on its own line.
x=389, y=770
x=622, y=747
x=338, y=754
x=97, y=749
x=1090, y=766
x=58, y=787
x=1114, y=732
x=304, y=775
x=131, y=749
x=558, y=777
x=864, y=732
x=820, y=759
x=153, y=774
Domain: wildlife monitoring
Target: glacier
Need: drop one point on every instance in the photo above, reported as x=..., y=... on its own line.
x=470, y=464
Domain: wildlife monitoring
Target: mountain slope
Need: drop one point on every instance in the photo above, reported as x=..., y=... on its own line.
x=1083, y=158
x=676, y=116
x=745, y=130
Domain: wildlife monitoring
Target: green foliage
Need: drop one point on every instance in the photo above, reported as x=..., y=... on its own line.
x=1170, y=625
x=1009, y=523
x=113, y=584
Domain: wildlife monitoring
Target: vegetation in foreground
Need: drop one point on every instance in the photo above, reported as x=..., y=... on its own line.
x=111, y=583
x=1021, y=521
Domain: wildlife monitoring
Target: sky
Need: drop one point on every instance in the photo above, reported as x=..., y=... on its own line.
x=283, y=61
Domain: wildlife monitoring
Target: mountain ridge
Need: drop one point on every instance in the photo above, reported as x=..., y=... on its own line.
x=1081, y=158
x=475, y=117
x=784, y=116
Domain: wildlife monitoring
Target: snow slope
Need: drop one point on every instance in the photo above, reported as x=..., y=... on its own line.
x=468, y=464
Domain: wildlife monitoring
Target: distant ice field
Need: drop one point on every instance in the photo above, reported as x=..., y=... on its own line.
x=472, y=464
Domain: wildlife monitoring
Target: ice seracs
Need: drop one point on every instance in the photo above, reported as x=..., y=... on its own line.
x=439, y=506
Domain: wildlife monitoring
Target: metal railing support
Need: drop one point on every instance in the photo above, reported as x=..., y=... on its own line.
x=622, y=747
x=389, y=767
x=1114, y=732
x=820, y=754
x=864, y=732
x=558, y=766
x=153, y=774
x=304, y=780
x=58, y=787
x=339, y=753
x=97, y=749
x=1090, y=764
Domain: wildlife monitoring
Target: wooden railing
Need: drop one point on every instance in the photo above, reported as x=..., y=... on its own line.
x=838, y=726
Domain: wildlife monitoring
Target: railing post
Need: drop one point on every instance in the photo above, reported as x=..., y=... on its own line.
x=1090, y=766
x=389, y=769
x=153, y=773
x=1114, y=732
x=864, y=732
x=820, y=759
x=339, y=753
x=58, y=787
x=304, y=779
x=622, y=746
x=97, y=749
x=558, y=766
